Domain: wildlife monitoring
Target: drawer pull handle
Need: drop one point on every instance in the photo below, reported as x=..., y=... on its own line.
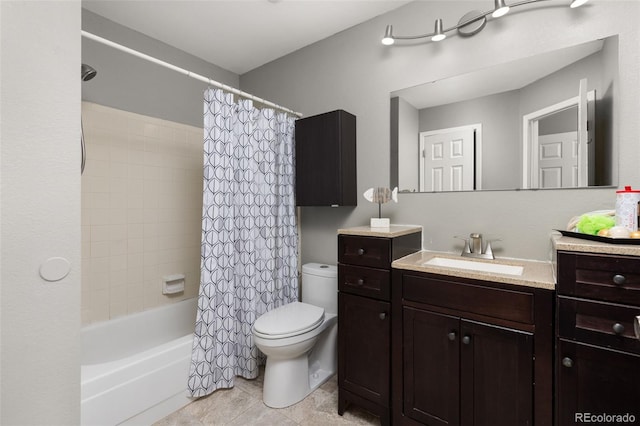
x=452, y=336
x=466, y=340
x=636, y=326
x=618, y=328
x=567, y=362
x=360, y=251
x=360, y=281
x=619, y=279
x=382, y=315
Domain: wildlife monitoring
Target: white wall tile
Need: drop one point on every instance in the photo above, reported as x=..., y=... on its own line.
x=141, y=210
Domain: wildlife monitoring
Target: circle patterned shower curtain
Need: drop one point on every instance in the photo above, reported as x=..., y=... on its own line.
x=249, y=236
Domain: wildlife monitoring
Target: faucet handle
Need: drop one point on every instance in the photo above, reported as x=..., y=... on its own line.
x=467, y=247
x=488, y=251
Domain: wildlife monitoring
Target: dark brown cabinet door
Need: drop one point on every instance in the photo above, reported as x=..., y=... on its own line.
x=595, y=381
x=431, y=367
x=364, y=346
x=496, y=368
x=326, y=160
x=460, y=372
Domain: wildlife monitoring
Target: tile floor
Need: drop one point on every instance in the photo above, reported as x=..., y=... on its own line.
x=242, y=405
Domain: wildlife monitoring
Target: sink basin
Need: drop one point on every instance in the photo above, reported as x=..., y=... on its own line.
x=480, y=266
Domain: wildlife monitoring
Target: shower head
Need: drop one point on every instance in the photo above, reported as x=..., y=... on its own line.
x=87, y=72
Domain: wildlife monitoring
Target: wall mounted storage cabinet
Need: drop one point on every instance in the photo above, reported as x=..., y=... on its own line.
x=326, y=160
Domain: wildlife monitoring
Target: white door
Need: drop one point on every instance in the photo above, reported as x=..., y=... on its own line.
x=584, y=150
x=558, y=160
x=447, y=160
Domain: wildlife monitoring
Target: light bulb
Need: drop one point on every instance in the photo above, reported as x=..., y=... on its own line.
x=501, y=9
x=388, y=40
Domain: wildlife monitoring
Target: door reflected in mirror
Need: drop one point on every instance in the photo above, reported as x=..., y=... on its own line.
x=545, y=121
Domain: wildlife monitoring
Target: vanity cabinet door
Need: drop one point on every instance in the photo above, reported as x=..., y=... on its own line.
x=364, y=347
x=461, y=372
x=431, y=352
x=496, y=369
x=593, y=381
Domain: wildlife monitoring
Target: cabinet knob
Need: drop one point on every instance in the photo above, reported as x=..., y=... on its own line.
x=466, y=340
x=360, y=281
x=382, y=315
x=360, y=251
x=567, y=362
x=618, y=328
x=619, y=279
x=452, y=336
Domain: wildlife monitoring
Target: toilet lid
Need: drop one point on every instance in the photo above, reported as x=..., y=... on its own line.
x=289, y=320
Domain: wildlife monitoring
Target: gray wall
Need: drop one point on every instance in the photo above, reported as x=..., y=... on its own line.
x=40, y=200
x=408, y=143
x=353, y=71
x=135, y=85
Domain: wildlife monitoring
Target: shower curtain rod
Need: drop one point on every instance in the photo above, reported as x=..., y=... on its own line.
x=187, y=73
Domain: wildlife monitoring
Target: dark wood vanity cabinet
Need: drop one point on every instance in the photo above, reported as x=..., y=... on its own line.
x=365, y=318
x=598, y=352
x=471, y=352
x=326, y=160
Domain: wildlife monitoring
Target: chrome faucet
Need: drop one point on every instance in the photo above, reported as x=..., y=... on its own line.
x=473, y=247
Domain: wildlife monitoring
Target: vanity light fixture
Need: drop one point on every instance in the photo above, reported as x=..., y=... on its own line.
x=470, y=24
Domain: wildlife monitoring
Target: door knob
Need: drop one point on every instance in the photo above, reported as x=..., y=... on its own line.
x=618, y=328
x=567, y=362
x=452, y=336
x=619, y=279
x=466, y=340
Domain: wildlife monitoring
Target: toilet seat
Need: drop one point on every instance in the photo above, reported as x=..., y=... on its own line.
x=289, y=320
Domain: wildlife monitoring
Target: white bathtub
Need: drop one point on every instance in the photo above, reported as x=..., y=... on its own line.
x=134, y=368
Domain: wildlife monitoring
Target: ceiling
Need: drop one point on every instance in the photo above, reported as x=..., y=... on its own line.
x=240, y=35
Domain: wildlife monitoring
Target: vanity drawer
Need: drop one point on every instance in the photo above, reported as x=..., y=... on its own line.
x=504, y=304
x=601, y=277
x=369, y=282
x=598, y=323
x=364, y=251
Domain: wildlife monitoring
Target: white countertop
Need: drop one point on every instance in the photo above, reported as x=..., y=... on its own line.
x=535, y=274
x=389, y=232
x=588, y=246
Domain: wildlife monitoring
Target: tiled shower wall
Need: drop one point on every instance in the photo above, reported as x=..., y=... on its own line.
x=141, y=211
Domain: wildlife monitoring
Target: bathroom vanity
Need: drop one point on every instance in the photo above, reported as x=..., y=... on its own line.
x=425, y=342
x=598, y=351
x=365, y=315
x=471, y=347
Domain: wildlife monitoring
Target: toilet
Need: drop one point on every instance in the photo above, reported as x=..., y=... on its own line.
x=300, y=339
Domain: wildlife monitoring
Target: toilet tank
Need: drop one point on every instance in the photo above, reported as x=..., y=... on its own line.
x=320, y=286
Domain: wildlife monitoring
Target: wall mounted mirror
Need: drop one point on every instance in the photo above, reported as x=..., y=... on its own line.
x=545, y=121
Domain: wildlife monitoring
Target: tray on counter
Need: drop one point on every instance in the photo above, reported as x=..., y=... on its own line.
x=609, y=240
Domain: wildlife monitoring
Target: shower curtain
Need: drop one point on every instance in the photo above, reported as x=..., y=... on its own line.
x=249, y=236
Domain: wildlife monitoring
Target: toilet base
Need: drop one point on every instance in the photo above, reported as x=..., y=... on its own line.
x=301, y=380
